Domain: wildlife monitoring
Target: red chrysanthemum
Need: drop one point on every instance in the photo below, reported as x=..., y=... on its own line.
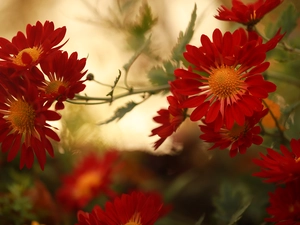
x=26, y=51
x=285, y=204
x=239, y=138
x=280, y=168
x=227, y=84
x=247, y=14
x=23, y=122
x=64, y=76
x=137, y=208
x=91, y=177
x=170, y=119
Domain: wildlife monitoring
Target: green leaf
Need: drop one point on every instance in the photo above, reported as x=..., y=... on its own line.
x=161, y=75
x=184, y=38
x=287, y=21
x=143, y=25
x=120, y=112
x=144, y=22
x=231, y=203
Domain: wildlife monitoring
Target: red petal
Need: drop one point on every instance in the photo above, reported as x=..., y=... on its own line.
x=200, y=111
x=213, y=112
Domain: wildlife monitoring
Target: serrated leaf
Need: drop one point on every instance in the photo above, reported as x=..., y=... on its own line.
x=120, y=112
x=111, y=93
x=231, y=202
x=144, y=22
x=184, y=38
x=161, y=75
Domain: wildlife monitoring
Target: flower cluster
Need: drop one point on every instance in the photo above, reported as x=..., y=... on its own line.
x=284, y=169
x=223, y=84
x=134, y=208
x=35, y=73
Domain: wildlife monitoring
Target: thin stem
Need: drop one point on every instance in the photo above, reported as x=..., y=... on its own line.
x=108, y=85
x=276, y=122
x=132, y=60
x=151, y=90
x=287, y=79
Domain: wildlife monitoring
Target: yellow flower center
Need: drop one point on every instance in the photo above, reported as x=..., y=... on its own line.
x=224, y=82
x=235, y=132
x=85, y=184
x=135, y=220
x=53, y=86
x=21, y=116
x=27, y=56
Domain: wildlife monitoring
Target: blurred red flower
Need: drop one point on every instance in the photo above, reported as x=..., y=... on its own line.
x=90, y=178
x=170, y=119
x=225, y=84
x=238, y=138
x=26, y=51
x=280, y=168
x=23, y=122
x=247, y=14
x=64, y=74
x=136, y=208
x=285, y=204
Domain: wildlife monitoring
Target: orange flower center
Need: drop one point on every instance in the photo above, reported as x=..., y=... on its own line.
x=53, y=86
x=235, y=132
x=27, y=56
x=86, y=183
x=21, y=116
x=135, y=220
x=297, y=159
x=253, y=15
x=224, y=82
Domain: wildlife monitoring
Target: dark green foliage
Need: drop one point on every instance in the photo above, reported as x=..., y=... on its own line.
x=231, y=203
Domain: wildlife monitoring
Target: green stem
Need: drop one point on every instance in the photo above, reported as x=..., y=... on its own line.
x=285, y=78
x=151, y=90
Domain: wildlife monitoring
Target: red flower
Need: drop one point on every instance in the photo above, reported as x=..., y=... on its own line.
x=23, y=122
x=27, y=51
x=280, y=168
x=249, y=14
x=285, y=204
x=227, y=84
x=64, y=74
x=238, y=138
x=135, y=208
x=91, y=177
x=170, y=119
